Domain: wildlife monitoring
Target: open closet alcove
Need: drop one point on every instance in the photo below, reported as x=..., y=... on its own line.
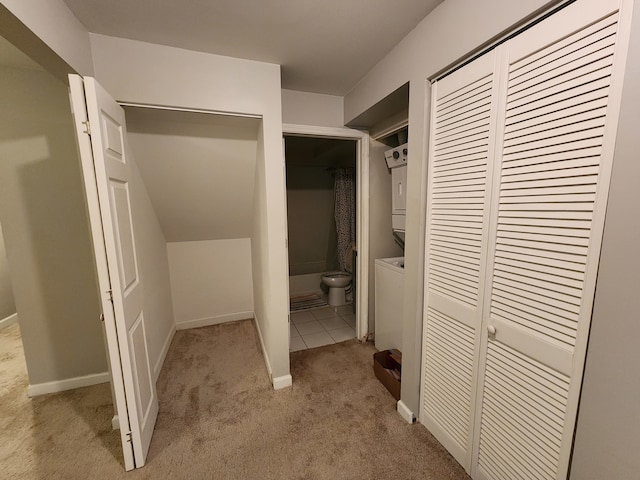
x=199, y=172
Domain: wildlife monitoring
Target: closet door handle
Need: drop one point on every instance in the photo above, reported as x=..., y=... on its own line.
x=492, y=330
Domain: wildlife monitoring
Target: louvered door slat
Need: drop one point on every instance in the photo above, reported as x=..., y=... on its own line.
x=561, y=126
x=585, y=88
x=505, y=289
x=461, y=95
x=533, y=278
x=551, y=171
x=460, y=382
x=572, y=140
x=458, y=162
x=498, y=468
x=455, y=272
x=510, y=409
x=463, y=137
x=455, y=262
x=543, y=271
x=569, y=113
x=463, y=146
x=509, y=234
x=523, y=315
x=538, y=288
x=451, y=407
x=560, y=196
x=451, y=171
x=526, y=401
x=548, y=80
x=539, y=254
x=562, y=335
x=585, y=39
x=523, y=448
x=574, y=253
x=470, y=112
x=463, y=130
x=464, y=153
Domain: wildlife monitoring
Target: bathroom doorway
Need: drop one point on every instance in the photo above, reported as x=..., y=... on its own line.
x=325, y=212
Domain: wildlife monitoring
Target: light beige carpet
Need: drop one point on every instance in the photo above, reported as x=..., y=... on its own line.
x=220, y=419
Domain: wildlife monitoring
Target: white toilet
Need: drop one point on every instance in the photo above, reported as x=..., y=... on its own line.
x=337, y=283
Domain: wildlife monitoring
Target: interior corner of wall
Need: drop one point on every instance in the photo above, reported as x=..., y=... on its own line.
x=263, y=346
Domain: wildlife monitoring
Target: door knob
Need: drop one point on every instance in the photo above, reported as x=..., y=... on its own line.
x=492, y=330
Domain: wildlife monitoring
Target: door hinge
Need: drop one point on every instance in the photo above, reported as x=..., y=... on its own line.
x=129, y=438
x=87, y=127
x=110, y=293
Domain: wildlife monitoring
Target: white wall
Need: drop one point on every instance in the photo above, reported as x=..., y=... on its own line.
x=259, y=255
x=7, y=303
x=46, y=230
x=607, y=441
x=211, y=281
x=448, y=33
x=453, y=29
x=139, y=72
x=198, y=169
x=381, y=243
x=151, y=252
x=316, y=109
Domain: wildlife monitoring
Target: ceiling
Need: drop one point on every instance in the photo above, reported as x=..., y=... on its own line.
x=324, y=46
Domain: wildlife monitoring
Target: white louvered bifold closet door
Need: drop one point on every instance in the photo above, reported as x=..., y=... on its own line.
x=521, y=151
x=550, y=190
x=461, y=148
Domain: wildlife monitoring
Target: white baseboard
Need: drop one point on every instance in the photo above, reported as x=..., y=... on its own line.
x=67, y=384
x=115, y=422
x=405, y=413
x=7, y=321
x=163, y=354
x=264, y=349
x=282, y=382
x=208, y=321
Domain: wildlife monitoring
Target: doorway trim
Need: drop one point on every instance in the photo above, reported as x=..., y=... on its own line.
x=362, y=209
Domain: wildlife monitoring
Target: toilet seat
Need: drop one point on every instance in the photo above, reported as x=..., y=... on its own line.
x=336, y=274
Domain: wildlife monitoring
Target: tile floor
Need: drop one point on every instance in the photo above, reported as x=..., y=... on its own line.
x=321, y=326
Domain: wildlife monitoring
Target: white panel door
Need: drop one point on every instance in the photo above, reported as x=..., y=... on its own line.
x=555, y=149
x=113, y=231
x=461, y=159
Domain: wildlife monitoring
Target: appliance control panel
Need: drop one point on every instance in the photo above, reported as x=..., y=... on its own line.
x=396, y=157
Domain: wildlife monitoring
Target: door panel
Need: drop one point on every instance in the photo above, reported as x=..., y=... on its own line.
x=107, y=172
x=79, y=109
x=457, y=215
x=545, y=236
x=124, y=235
